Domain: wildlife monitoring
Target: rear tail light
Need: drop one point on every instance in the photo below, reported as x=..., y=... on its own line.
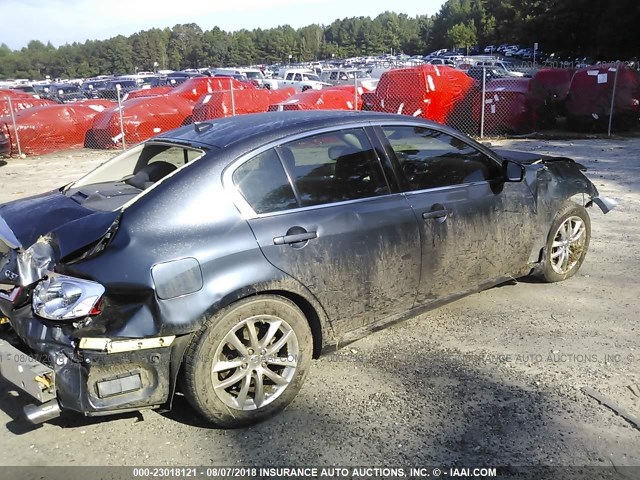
x=59, y=297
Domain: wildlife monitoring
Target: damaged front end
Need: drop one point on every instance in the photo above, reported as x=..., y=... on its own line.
x=554, y=181
x=557, y=179
x=560, y=179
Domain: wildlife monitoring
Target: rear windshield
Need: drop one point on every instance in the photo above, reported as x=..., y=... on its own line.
x=124, y=177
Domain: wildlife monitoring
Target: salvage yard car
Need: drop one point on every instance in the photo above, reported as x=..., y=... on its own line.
x=221, y=257
x=5, y=144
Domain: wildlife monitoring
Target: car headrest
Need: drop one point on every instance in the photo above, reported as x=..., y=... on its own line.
x=350, y=162
x=150, y=174
x=337, y=151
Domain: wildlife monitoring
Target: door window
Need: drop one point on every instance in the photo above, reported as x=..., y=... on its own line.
x=334, y=167
x=431, y=159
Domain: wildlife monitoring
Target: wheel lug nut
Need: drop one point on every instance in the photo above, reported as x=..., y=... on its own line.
x=250, y=351
x=264, y=364
x=263, y=351
x=244, y=366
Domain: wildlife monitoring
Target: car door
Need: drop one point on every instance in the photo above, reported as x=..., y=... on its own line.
x=325, y=213
x=475, y=227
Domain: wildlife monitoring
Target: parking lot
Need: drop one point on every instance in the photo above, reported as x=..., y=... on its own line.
x=496, y=378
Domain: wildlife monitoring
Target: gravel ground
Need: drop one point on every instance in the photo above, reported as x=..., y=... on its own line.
x=492, y=379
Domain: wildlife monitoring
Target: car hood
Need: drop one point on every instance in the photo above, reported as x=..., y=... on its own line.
x=36, y=232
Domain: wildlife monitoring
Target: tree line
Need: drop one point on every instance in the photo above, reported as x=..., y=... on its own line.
x=572, y=27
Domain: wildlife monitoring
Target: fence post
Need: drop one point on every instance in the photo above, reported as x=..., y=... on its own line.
x=15, y=127
x=233, y=98
x=613, y=97
x=124, y=144
x=482, y=100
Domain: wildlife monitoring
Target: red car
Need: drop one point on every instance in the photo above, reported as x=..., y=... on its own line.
x=5, y=144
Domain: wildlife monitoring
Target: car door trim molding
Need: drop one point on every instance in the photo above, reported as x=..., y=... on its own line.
x=447, y=187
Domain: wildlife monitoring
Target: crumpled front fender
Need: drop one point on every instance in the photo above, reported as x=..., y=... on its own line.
x=559, y=179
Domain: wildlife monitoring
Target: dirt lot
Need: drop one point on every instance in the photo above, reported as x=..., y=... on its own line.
x=493, y=379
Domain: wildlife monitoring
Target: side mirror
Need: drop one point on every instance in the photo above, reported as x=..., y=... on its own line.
x=512, y=171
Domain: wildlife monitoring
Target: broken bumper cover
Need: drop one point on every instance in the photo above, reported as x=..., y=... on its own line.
x=105, y=377
x=606, y=204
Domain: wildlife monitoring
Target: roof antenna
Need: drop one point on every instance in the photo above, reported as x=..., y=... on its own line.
x=202, y=126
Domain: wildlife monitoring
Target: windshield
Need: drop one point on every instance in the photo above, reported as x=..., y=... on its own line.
x=253, y=75
x=67, y=89
x=92, y=85
x=121, y=179
x=25, y=89
x=122, y=83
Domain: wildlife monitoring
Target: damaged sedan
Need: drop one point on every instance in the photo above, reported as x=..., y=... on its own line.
x=217, y=260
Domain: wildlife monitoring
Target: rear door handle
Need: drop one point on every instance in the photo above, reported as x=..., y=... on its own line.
x=296, y=238
x=435, y=214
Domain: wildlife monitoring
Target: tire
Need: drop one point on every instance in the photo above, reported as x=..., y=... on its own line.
x=567, y=243
x=230, y=396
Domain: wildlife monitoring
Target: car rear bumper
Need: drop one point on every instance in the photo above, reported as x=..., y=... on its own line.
x=46, y=362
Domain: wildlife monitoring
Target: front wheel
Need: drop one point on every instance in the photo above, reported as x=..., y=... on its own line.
x=567, y=243
x=248, y=362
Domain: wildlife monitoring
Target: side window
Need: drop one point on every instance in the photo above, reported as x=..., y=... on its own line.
x=333, y=76
x=431, y=159
x=297, y=77
x=334, y=167
x=264, y=184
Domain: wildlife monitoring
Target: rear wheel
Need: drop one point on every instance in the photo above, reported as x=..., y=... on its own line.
x=249, y=361
x=567, y=243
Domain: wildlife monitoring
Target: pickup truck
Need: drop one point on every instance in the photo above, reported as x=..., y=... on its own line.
x=301, y=79
x=349, y=76
x=253, y=75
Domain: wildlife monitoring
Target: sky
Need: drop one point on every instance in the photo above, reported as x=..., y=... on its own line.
x=67, y=21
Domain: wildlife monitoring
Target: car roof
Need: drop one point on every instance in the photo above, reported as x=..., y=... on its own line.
x=271, y=126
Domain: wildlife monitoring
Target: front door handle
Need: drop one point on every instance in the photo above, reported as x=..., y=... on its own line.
x=435, y=214
x=295, y=238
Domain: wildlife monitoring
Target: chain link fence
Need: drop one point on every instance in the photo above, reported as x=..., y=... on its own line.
x=493, y=98
x=486, y=99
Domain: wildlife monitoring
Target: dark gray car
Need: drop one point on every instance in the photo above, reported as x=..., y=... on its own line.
x=220, y=258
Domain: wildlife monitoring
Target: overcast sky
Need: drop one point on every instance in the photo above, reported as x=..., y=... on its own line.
x=67, y=21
